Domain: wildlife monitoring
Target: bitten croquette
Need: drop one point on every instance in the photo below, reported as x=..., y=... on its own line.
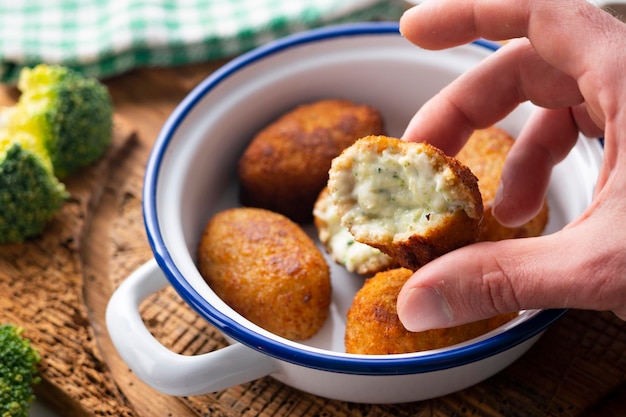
x=407, y=199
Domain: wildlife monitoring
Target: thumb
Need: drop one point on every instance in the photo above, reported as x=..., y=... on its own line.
x=489, y=278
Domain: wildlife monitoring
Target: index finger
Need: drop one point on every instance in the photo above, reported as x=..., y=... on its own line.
x=488, y=92
x=442, y=24
x=572, y=36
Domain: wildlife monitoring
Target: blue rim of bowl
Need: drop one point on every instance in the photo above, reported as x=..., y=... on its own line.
x=389, y=365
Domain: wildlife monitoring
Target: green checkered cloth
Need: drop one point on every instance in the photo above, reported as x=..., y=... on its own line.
x=103, y=38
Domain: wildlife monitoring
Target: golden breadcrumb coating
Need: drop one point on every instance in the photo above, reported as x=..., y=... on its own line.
x=485, y=153
x=286, y=165
x=407, y=199
x=373, y=326
x=267, y=269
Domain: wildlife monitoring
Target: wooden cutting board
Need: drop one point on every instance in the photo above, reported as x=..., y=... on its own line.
x=41, y=287
x=578, y=368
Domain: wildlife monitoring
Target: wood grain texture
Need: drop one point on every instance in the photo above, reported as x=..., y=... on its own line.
x=41, y=287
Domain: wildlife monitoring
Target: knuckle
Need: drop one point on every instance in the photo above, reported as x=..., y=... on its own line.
x=499, y=290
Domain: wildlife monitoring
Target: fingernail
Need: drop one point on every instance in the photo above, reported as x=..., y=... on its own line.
x=425, y=308
x=497, y=199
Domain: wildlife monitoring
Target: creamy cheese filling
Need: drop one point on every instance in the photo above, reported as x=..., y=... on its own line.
x=343, y=248
x=397, y=195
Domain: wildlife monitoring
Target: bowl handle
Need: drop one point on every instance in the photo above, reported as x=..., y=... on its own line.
x=162, y=369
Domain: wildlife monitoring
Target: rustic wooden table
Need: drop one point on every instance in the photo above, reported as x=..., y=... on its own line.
x=578, y=368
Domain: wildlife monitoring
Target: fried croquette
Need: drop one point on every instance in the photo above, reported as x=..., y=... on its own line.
x=267, y=269
x=340, y=244
x=373, y=326
x=407, y=199
x=286, y=165
x=484, y=154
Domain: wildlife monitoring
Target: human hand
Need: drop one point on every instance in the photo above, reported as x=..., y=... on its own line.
x=570, y=59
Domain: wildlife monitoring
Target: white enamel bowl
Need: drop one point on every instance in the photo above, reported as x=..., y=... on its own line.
x=191, y=175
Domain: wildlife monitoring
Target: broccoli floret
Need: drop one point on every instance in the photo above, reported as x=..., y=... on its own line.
x=70, y=112
x=30, y=194
x=18, y=372
x=62, y=121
